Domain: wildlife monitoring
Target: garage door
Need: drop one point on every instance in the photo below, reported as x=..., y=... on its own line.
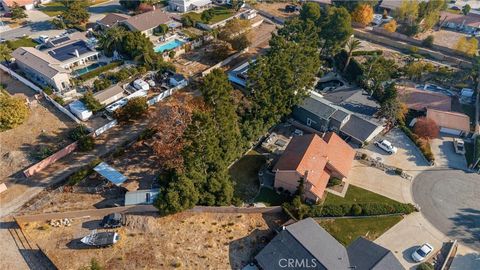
x=451, y=131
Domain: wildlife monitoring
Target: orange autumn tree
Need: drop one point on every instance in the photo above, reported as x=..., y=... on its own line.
x=391, y=26
x=363, y=14
x=426, y=128
x=168, y=124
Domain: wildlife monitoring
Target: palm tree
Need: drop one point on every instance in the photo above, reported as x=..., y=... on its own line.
x=352, y=45
x=5, y=53
x=111, y=39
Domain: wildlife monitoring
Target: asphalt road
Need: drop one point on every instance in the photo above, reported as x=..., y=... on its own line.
x=27, y=30
x=450, y=200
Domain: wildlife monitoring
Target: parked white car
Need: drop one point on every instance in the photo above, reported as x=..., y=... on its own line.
x=421, y=253
x=459, y=145
x=387, y=146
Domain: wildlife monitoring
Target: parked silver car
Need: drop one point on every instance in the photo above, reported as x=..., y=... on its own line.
x=422, y=252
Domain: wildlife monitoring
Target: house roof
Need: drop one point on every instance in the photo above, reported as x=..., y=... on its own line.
x=149, y=20
x=365, y=254
x=67, y=52
x=309, y=155
x=471, y=19
x=419, y=100
x=359, y=128
x=140, y=196
x=393, y=4
x=113, y=18
x=20, y=3
x=104, y=95
x=453, y=120
x=318, y=106
x=340, y=115
x=304, y=240
x=39, y=61
x=340, y=154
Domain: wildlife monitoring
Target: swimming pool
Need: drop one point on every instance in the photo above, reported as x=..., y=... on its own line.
x=84, y=70
x=172, y=44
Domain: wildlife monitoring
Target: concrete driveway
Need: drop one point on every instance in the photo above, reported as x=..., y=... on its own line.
x=378, y=181
x=407, y=235
x=445, y=156
x=408, y=157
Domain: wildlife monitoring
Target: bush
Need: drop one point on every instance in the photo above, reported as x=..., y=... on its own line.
x=99, y=70
x=358, y=53
x=428, y=41
x=59, y=100
x=48, y=90
x=78, y=132
x=398, y=171
x=101, y=84
x=334, y=182
x=134, y=109
x=90, y=102
x=425, y=266
x=356, y=210
x=81, y=174
x=423, y=145
x=86, y=143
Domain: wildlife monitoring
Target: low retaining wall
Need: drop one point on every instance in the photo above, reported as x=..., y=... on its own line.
x=49, y=160
x=391, y=41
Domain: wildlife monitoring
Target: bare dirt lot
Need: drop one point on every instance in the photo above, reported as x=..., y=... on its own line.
x=276, y=9
x=443, y=37
x=181, y=241
x=45, y=127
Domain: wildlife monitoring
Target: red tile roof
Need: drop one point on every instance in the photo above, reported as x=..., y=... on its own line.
x=315, y=157
x=453, y=120
x=419, y=100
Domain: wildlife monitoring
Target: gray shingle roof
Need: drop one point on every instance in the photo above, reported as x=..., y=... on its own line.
x=318, y=107
x=366, y=255
x=340, y=115
x=359, y=128
x=304, y=240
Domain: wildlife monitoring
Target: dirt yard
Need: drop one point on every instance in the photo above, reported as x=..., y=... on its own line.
x=45, y=127
x=276, y=9
x=181, y=241
x=443, y=37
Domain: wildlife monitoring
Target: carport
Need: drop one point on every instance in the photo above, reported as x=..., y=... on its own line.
x=110, y=173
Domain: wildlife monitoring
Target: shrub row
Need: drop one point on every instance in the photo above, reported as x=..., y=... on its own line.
x=377, y=52
x=422, y=144
x=99, y=70
x=360, y=209
x=81, y=174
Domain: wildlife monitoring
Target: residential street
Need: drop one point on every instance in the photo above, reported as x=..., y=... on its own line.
x=449, y=199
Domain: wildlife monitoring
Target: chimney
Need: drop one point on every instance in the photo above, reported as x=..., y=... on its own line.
x=76, y=53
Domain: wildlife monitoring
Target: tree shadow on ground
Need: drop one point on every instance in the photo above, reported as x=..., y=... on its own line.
x=467, y=227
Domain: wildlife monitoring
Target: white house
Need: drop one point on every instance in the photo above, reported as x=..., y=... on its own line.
x=188, y=5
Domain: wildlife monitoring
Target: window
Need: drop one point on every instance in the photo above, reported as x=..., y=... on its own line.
x=310, y=122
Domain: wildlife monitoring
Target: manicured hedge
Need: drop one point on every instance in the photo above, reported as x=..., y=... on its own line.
x=360, y=209
x=377, y=52
x=99, y=70
x=422, y=144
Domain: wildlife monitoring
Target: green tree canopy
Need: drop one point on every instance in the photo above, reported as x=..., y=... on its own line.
x=76, y=13
x=336, y=29
x=134, y=109
x=17, y=12
x=310, y=11
x=13, y=111
x=92, y=104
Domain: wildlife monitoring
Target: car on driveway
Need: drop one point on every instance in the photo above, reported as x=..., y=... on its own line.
x=459, y=145
x=387, y=146
x=422, y=252
x=114, y=220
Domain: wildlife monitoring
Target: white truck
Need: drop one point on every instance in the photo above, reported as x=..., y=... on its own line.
x=459, y=145
x=140, y=84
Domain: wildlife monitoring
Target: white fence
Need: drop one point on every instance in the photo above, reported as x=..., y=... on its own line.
x=106, y=127
x=40, y=91
x=165, y=94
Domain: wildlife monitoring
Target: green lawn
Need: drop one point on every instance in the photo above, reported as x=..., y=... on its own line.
x=270, y=197
x=22, y=42
x=346, y=230
x=245, y=175
x=52, y=9
x=357, y=195
x=219, y=14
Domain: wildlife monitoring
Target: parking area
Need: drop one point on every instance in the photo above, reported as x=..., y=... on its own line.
x=409, y=234
x=408, y=156
x=445, y=155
